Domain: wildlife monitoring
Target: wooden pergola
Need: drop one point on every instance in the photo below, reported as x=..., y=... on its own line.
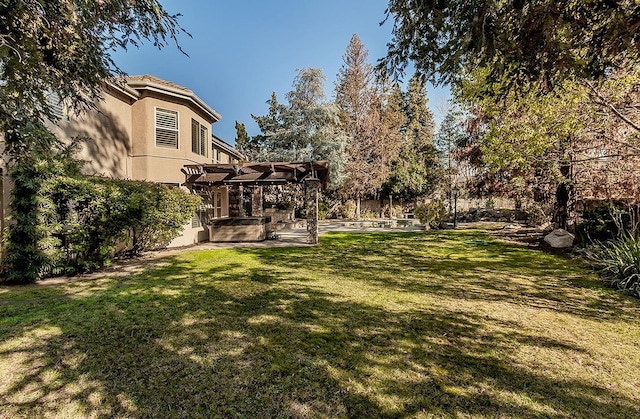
x=314, y=175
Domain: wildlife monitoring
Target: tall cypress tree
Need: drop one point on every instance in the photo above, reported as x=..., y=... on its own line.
x=417, y=171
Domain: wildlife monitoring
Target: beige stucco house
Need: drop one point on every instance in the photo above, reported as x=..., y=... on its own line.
x=147, y=129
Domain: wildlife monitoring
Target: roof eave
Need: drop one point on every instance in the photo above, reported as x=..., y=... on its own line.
x=182, y=94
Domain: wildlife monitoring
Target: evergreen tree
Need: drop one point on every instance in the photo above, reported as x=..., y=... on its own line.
x=244, y=143
x=369, y=115
x=306, y=128
x=449, y=136
x=417, y=171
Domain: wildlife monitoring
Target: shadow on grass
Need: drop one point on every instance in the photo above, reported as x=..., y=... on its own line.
x=469, y=265
x=259, y=333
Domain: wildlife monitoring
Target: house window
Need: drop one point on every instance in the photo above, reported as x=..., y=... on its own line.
x=200, y=218
x=198, y=138
x=166, y=128
x=216, y=153
x=56, y=105
x=217, y=204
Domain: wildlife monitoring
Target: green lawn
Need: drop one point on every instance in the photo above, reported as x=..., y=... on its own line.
x=438, y=324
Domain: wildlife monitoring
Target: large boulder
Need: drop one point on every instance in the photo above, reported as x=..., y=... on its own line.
x=559, y=239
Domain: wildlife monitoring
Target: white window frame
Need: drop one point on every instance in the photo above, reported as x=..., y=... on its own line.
x=156, y=127
x=217, y=204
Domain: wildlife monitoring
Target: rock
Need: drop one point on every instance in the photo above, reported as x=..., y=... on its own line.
x=559, y=239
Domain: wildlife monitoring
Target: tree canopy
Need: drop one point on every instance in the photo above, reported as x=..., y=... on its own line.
x=64, y=48
x=521, y=41
x=306, y=128
x=549, y=151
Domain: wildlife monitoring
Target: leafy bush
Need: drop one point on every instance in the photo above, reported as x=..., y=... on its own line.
x=603, y=222
x=285, y=205
x=368, y=214
x=398, y=211
x=348, y=209
x=430, y=214
x=79, y=220
x=538, y=213
x=323, y=210
x=617, y=261
x=101, y=213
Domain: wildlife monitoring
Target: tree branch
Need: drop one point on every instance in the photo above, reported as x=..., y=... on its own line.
x=605, y=157
x=613, y=108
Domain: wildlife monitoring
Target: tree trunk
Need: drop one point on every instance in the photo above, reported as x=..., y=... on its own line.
x=565, y=200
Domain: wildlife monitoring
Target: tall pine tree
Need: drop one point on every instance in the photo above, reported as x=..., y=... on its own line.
x=370, y=120
x=244, y=143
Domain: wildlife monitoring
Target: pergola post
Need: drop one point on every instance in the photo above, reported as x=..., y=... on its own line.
x=311, y=198
x=256, y=201
x=235, y=200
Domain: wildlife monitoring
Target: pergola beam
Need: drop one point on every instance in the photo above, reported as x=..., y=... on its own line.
x=256, y=173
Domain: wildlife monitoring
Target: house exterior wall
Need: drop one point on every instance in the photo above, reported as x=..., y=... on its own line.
x=155, y=163
x=105, y=136
x=162, y=164
x=119, y=141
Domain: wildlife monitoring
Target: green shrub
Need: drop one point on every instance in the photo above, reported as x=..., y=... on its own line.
x=617, y=261
x=398, y=211
x=603, y=222
x=369, y=215
x=78, y=221
x=323, y=210
x=430, y=214
x=348, y=209
x=285, y=205
x=538, y=213
x=100, y=213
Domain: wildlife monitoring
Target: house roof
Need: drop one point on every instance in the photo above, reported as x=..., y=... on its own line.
x=217, y=141
x=156, y=84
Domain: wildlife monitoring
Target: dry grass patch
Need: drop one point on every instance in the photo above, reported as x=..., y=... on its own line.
x=437, y=324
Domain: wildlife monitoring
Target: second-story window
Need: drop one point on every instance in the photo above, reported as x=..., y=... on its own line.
x=198, y=138
x=166, y=128
x=57, y=107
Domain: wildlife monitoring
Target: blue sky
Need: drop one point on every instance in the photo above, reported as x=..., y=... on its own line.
x=241, y=51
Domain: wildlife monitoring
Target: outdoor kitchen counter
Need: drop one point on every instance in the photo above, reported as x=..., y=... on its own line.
x=240, y=229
